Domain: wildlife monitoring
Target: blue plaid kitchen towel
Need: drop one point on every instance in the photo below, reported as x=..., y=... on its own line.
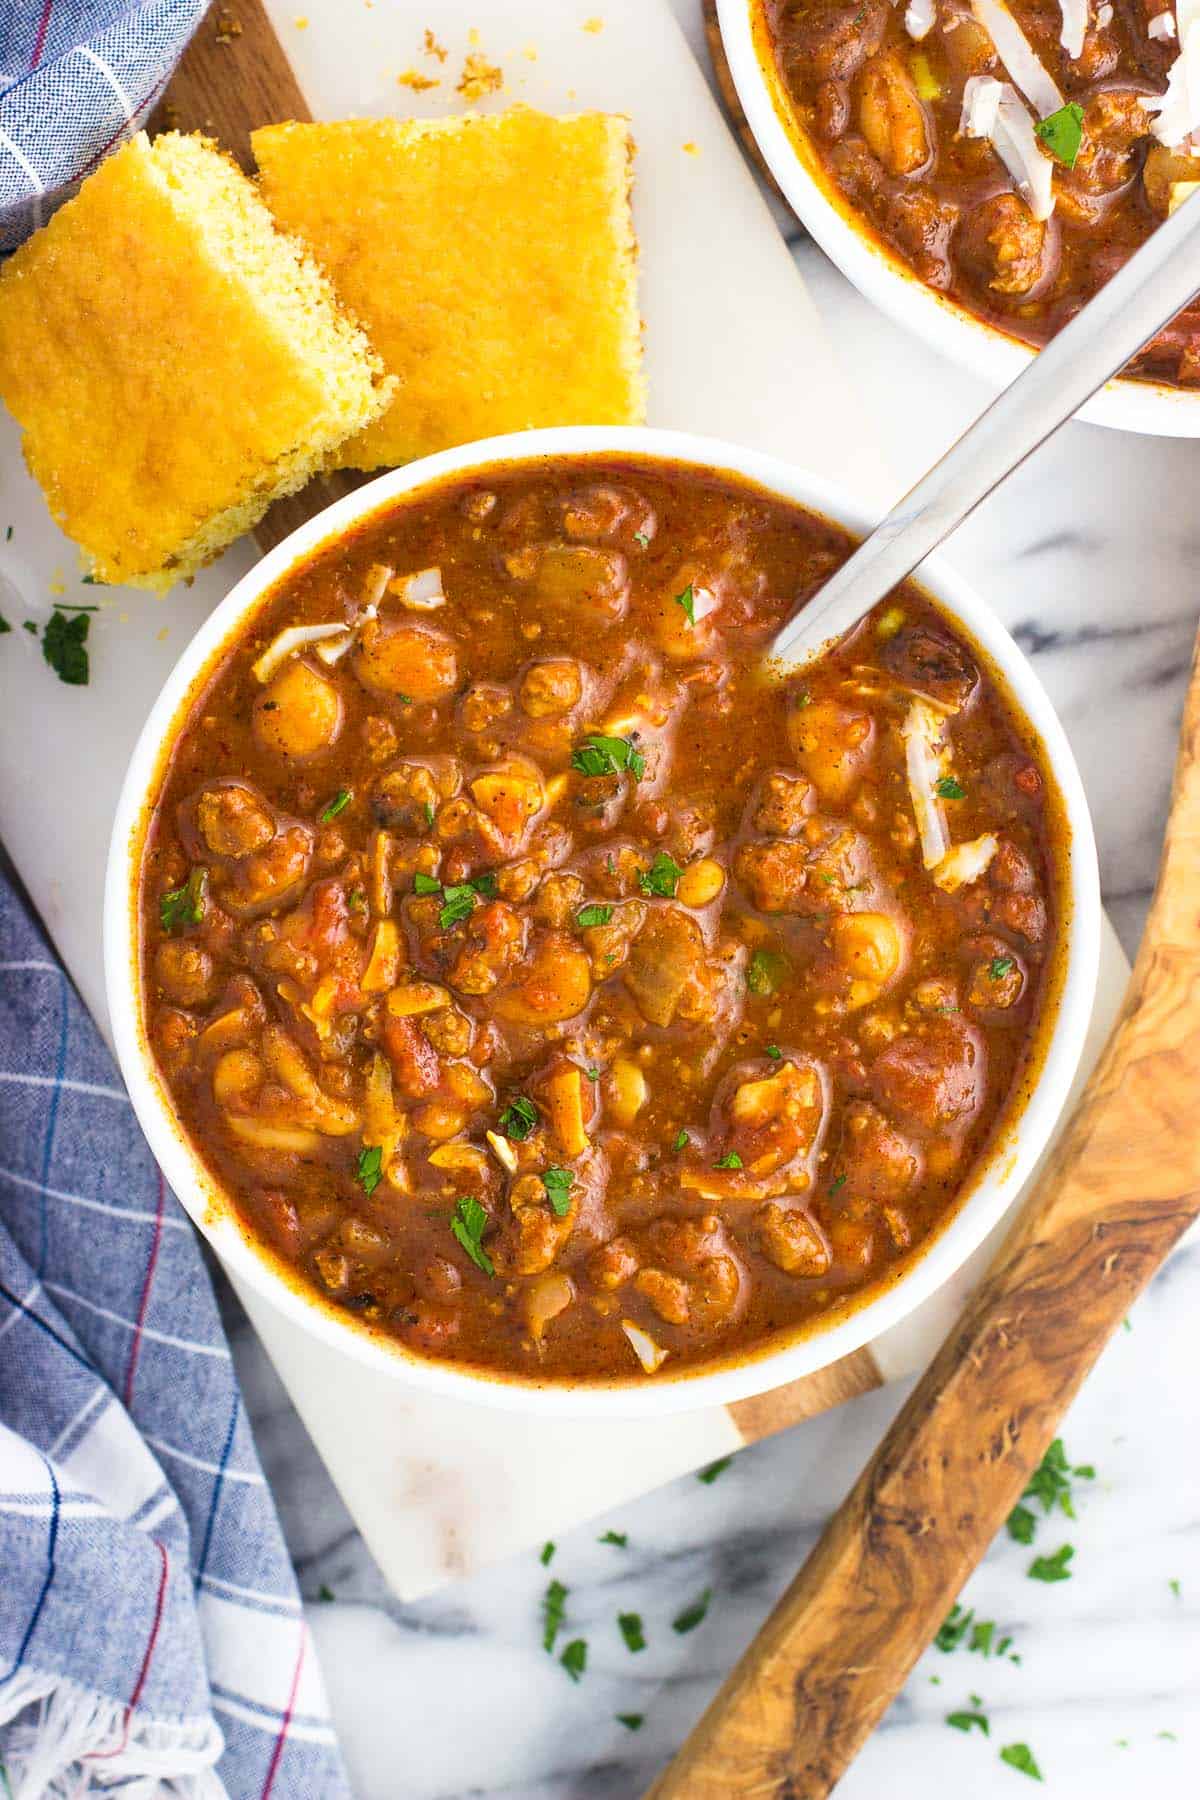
x=76, y=76
x=152, y=1641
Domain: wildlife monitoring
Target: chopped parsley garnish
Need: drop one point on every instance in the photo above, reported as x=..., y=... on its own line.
x=802, y=698
x=8, y=531
x=1052, y=1568
x=184, y=905
x=950, y=788
x=963, y=1721
x=557, y=1183
x=687, y=600
x=30, y=626
x=693, y=1615
x=574, y=1658
x=709, y=1475
x=837, y=1184
x=1020, y=1756
x=587, y=916
x=547, y=1556
x=631, y=1721
x=458, y=903
x=631, y=1630
x=468, y=1225
x=554, y=1608
x=338, y=804
x=599, y=755
x=592, y=1074
x=640, y=538
x=774, y=1052
x=356, y=900
x=661, y=878
x=730, y=1160
x=619, y=1538
x=954, y=1628
x=430, y=815
x=64, y=645
x=324, y=1592
x=4, y=625
x=1021, y=1525
x=459, y=899
x=999, y=967
x=682, y=1140
x=1050, y=1485
x=1062, y=132
x=981, y=1637
x=519, y=1118
x=369, y=1170
x=1175, y=1588
x=766, y=972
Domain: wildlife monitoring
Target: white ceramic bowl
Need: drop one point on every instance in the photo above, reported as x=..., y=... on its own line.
x=978, y=1212
x=882, y=277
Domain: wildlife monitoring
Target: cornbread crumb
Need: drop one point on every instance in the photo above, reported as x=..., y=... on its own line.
x=479, y=77
x=530, y=53
x=301, y=23
x=420, y=84
x=228, y=25
x=433, y=48
x=473, y=35
x=174, y=361
x=593, y=25
x=691, y=149
x=450, y=238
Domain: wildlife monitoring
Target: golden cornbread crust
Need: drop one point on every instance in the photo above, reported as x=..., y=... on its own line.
x=492, y=259
x=175, y=361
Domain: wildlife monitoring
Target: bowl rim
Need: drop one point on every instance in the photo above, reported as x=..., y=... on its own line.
x=1148, y=407
x=761, y=1371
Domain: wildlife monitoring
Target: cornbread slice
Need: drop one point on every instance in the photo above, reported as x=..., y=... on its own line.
x=492, y=260
x=175, y=360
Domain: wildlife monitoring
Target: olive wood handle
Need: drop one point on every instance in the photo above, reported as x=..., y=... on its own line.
x=1120, y=1188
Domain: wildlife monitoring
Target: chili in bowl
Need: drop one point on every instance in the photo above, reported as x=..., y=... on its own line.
x=532, y=992
x=973, y=175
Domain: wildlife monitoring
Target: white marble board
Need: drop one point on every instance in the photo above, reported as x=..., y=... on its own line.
x=735, y=349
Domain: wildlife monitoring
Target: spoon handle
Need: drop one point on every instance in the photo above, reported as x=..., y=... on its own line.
x=1155, y=284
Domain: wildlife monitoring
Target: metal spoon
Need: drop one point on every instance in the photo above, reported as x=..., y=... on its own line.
x=1156, y=283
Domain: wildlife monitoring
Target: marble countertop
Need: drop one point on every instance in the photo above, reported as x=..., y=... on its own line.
x=1088, y=555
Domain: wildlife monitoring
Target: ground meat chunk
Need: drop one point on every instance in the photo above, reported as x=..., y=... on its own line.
x=878, y=1161
x=551, y=688
x=934, y=1077
x=233, y=820
x=791, y=1240
x=784, y=802
x=668, y=972
x=1004, y=247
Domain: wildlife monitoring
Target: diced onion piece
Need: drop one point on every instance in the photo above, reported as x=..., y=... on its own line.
x=335, y=648
x=289, y=642
x=981, y=106
x=1104, y=16
x=1016, y=144
x=458, y=1154
x=1178, y=109
x=504, y=1152
x=704, y=601
x=383, y=965
x=652, y=1356
x=375, y=584
x=922, y=732
x=964, y=863
x=1074, y=26
x=1019, y=57
x=1162, y=25
x=422, y=592
x=919, y=18
x=1178, y=192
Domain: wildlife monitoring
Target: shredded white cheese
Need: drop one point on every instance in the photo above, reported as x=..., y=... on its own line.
x=1018, y=56
x=1074, y=26
x=1016, y=144
x=922, y=734
x=1178, y=109
x=1104, y=16
x=504, y=1152
x=920, y=17
x=981, y=106
x=1162, y=26
x=292, y=639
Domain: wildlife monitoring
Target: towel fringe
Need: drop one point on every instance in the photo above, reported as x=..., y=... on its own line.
x=76, y=1743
